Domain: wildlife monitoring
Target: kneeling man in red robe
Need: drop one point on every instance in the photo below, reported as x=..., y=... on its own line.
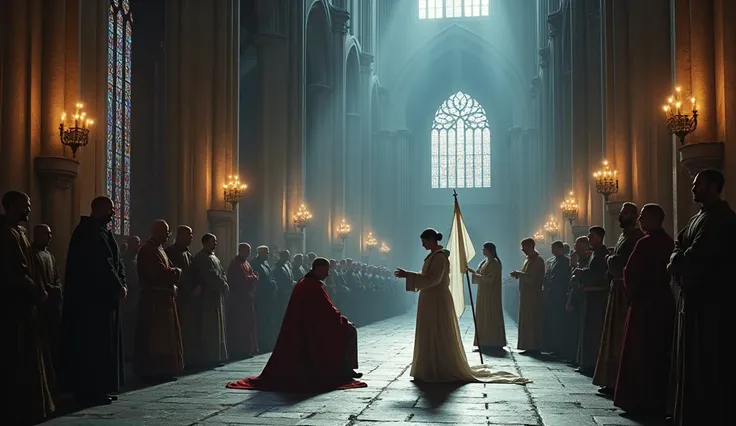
x=317, y=347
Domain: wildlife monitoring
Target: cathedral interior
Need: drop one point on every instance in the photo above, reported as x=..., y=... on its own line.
x=345, y=127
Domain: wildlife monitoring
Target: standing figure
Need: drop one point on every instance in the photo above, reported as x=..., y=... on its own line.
x=242, y=336
x=609, y=354
x=22, y=359
x=643, y=373
x=187, y=295
x=49, y=312
x=701, y=265
x=158, y=348
x=531, y=309
x=556, y=282
x=579, y=259
x=129, y=307
x=491, y=332
x=95, y=285
x=594, y=284
x=266, y=299
x=212, y=280
x=297, y=265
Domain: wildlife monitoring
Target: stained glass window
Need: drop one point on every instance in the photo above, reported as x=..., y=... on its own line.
x=438, y=9
x=460, y=144
x=117, y=153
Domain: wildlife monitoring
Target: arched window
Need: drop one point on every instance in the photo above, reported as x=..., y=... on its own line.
x=117, y=154
x=438, y=9
x=461, y=144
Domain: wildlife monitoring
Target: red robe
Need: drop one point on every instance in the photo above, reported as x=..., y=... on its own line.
x=242, y=338
x=158, y=348
x=315, y=347
x=643, y=374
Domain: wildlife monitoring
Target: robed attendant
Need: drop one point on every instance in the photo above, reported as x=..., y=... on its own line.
x=593, y=281
x=643, y=373
x=531, y=308
x=317, y=347
x=212, y=279
x=187, y=294
x=609, y=353
x=266, y=300
x=129, y=306
x=94, y=366
x=28, y=399
x=579, y=259
x=556, y=282
x=701, y=262
x=242, y=336
x=491, y=331
x=158, y=348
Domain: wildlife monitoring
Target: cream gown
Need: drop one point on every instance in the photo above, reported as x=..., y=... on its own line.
x=439, y=355
x=491, y=330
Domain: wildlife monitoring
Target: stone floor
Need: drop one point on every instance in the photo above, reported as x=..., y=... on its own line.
x=557, y=397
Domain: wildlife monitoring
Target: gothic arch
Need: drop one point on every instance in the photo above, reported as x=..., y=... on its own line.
x=452, y=38
x=318, y=43
x=375, y=107
x=352, y=80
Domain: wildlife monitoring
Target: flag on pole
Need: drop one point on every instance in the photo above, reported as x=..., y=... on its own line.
x=461, y=251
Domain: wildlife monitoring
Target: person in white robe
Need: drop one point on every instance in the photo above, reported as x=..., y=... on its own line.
x=490, y=328
x=439, y=355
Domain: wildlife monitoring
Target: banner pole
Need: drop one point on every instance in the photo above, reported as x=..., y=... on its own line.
x=475, y=321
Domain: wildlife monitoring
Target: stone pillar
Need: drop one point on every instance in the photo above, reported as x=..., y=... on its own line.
x=295, y=242
x=57, y=204
x=354, y=183
x=613, y=230
x=544, y=134
x=366, y=60
x=382, y=185
x=557, y=142
x=400, y=153
x=340, y=18
x=319, y=176
x=517, y=182
x=223, y=225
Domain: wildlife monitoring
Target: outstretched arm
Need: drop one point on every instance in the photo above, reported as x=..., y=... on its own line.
x=438, y=266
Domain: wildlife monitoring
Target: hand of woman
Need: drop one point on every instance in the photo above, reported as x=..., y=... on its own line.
x=400, y=273
x=471, y=270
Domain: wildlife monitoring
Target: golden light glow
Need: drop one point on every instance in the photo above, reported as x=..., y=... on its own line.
x=371, y=242
x=384, y=248
x=606, y=180
x=552, y=228
x=343, y=230
x=570, y=208
x=233, y=191
x=678, y=123
x=302, y=217
x=538, y=236
x=74, y=130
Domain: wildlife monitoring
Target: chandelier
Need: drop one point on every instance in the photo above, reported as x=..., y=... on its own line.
x=680, y=124
x=74, y=133
x=606, y=181
x=552, y=228
x=539, y=236
x=343, y=230
x=384, y=248
x=302, y=217
x=371, y=242
x=570, y=209
x=233, y=191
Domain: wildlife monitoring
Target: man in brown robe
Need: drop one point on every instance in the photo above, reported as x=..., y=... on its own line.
x=702, y=263
x=212, y=280
x=28, y=399
x=266, y=299
x=594, y=283
x=158, y=349
x=579, y=259
x=187, y=296
x=556, y=282
x=609, y=353
x=50, y=311
x=242, y=336
x=643, y=374
x=531, y=309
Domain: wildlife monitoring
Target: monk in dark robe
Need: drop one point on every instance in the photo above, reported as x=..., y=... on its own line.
x=94, y=286
x=27, y=399
x=643, y=374
x=556, y=282
x=158, y=349
x=187, y=296
x=284, y=278
x=609, y=354
x=297, y=266
x=594, y=285
x=579, y=259
x=129, y=306
x=212, y=282
x=266, y=300
x=702, y=263
x=317, y=347
x=242, y=336
x=50, y=311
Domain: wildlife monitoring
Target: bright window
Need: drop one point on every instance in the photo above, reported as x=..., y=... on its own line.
x=461, y=144
x=438, y=9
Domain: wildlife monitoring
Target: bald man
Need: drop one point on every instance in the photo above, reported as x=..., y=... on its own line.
x=158, y=349
x=94, y=286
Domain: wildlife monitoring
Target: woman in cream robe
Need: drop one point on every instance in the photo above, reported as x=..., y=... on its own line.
x=439, y=355
x=490, y=328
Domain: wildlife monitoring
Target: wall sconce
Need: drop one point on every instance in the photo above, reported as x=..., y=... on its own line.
x=680, y=124
x=302, y=218
x=343, y=230
x=74, y=133
x=570, y=209
x=384, y=249
x=552, y=228
x=371, y=242
x=606, y=181
x=539, y=236
x=233, y=191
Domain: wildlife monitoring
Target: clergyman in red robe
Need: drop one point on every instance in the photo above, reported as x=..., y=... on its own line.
x=317, y=347
x=643, y=375
x=242, y=337
x=158, y=348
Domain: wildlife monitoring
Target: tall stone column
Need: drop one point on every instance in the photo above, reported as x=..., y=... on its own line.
x=517, y=181
x=545, y=134
x=400, y=150
x=340, y=18
x=581, y=84
x=366, y=74
x=557, y=95
x=382, y=185
x=354, y=184
x=319, y=179
x=594, y=134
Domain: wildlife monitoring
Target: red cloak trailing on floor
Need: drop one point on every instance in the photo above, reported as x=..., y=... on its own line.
x=315, y=348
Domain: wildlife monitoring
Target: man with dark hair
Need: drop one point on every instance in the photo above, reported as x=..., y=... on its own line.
x=317, y=347
x=208, y=273
x=613, y=327
x=700, y=263
x=22, y=362
x=594, y=284
x=94, y=287
x=531, y=308
x=187, y=296
x=556, y=282
x=242, y=336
